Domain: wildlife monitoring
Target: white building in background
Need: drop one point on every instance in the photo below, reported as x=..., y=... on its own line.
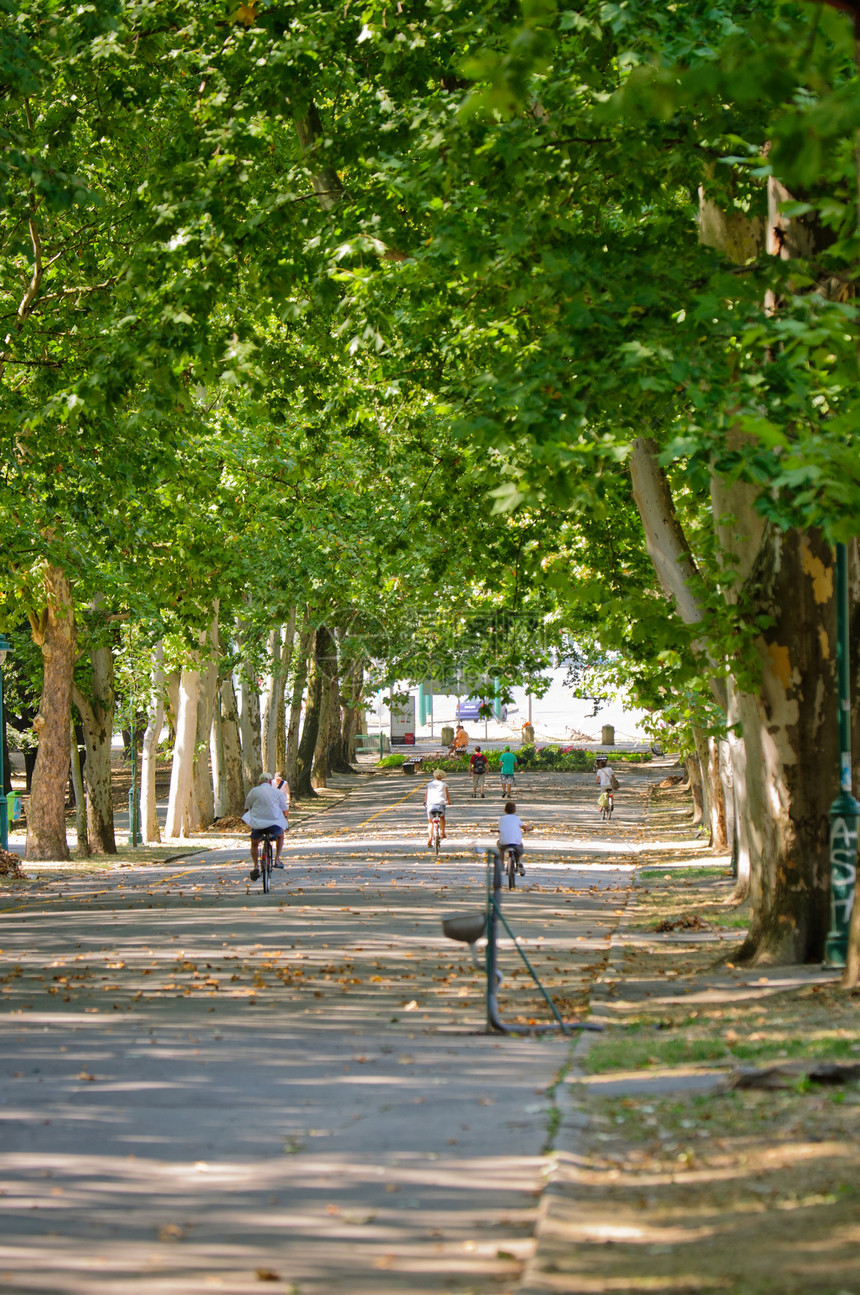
x=558, y=716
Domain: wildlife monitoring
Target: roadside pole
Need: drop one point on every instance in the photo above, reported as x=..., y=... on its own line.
x=845, y=810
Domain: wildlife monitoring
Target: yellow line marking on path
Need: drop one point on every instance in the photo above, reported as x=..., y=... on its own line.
x=388, y=807
x=187, y=873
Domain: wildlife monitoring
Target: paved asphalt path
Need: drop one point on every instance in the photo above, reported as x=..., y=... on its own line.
x=209, y=1089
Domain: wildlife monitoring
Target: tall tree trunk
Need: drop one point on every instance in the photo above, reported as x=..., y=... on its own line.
x=851, y=974
x=83, y=847
x=694, y=781
x=789, y=794
x=326, y=754
x=155, y=720
x=178, y=822
x=55, y=633
x=337, y=761
x=787, y=577
x=311, y=726
x=171, y=690
x=352, y=715
x=252, y=756
x=97, y=713
x=669, y=551
x=320, y=770
x=716, y=797
x=286, y=665
x=300, y=678
x=202, y=808
x=744, y=845
x=216, y=755
x=320, y=773
x=701, y=753
x=269, y=708
x=234, y=782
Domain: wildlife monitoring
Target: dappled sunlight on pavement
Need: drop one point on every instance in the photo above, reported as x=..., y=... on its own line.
x=206, y=1087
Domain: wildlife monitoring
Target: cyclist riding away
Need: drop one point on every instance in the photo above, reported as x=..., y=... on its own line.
x=478, y=770
x=281, y=783
x=266, y=810
x=436, y=797
x=507, y=763
x=511, y=829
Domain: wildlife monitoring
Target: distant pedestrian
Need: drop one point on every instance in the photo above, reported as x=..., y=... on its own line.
x=508, y=764
x=478, y=770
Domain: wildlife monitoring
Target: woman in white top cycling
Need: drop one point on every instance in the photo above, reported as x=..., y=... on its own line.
x=436, y=797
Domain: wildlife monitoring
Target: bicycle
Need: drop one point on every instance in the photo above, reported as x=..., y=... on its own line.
x=606, y=801
x=436, y=820
x=267, y=861
x=511, y=865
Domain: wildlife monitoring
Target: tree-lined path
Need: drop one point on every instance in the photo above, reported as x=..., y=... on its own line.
x=205, y=1086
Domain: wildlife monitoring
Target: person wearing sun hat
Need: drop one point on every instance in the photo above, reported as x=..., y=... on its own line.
x=436, y=797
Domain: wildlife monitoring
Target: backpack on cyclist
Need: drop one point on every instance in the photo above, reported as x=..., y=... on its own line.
x=480, y=765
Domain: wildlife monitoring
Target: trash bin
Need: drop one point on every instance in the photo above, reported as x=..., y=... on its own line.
x=607, y=735
x=447, y=735
x=528, y=735
x=13, y=809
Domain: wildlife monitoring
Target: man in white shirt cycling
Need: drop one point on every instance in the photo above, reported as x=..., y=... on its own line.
x=266, y=810
x=436, y=797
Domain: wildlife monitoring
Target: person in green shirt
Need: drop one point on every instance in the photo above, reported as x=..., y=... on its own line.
x=508, y=763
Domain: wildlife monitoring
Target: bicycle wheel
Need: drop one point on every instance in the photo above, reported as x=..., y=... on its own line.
x=511, y=863
x=437, y=835
x=266, y=865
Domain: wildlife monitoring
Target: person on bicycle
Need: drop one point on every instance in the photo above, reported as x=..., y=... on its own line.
x=605, y=779
x=507, y=765
x=266, y=810
x=511, y=828
x=478, y=770
x=436, y=797
x=281, y=783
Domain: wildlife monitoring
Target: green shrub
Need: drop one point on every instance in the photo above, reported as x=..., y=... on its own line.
x=554, y=757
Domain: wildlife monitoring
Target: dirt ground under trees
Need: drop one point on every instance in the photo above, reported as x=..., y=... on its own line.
x=718, y=1144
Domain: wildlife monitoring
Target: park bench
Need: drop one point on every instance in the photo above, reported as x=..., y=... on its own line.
x=369, y=742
